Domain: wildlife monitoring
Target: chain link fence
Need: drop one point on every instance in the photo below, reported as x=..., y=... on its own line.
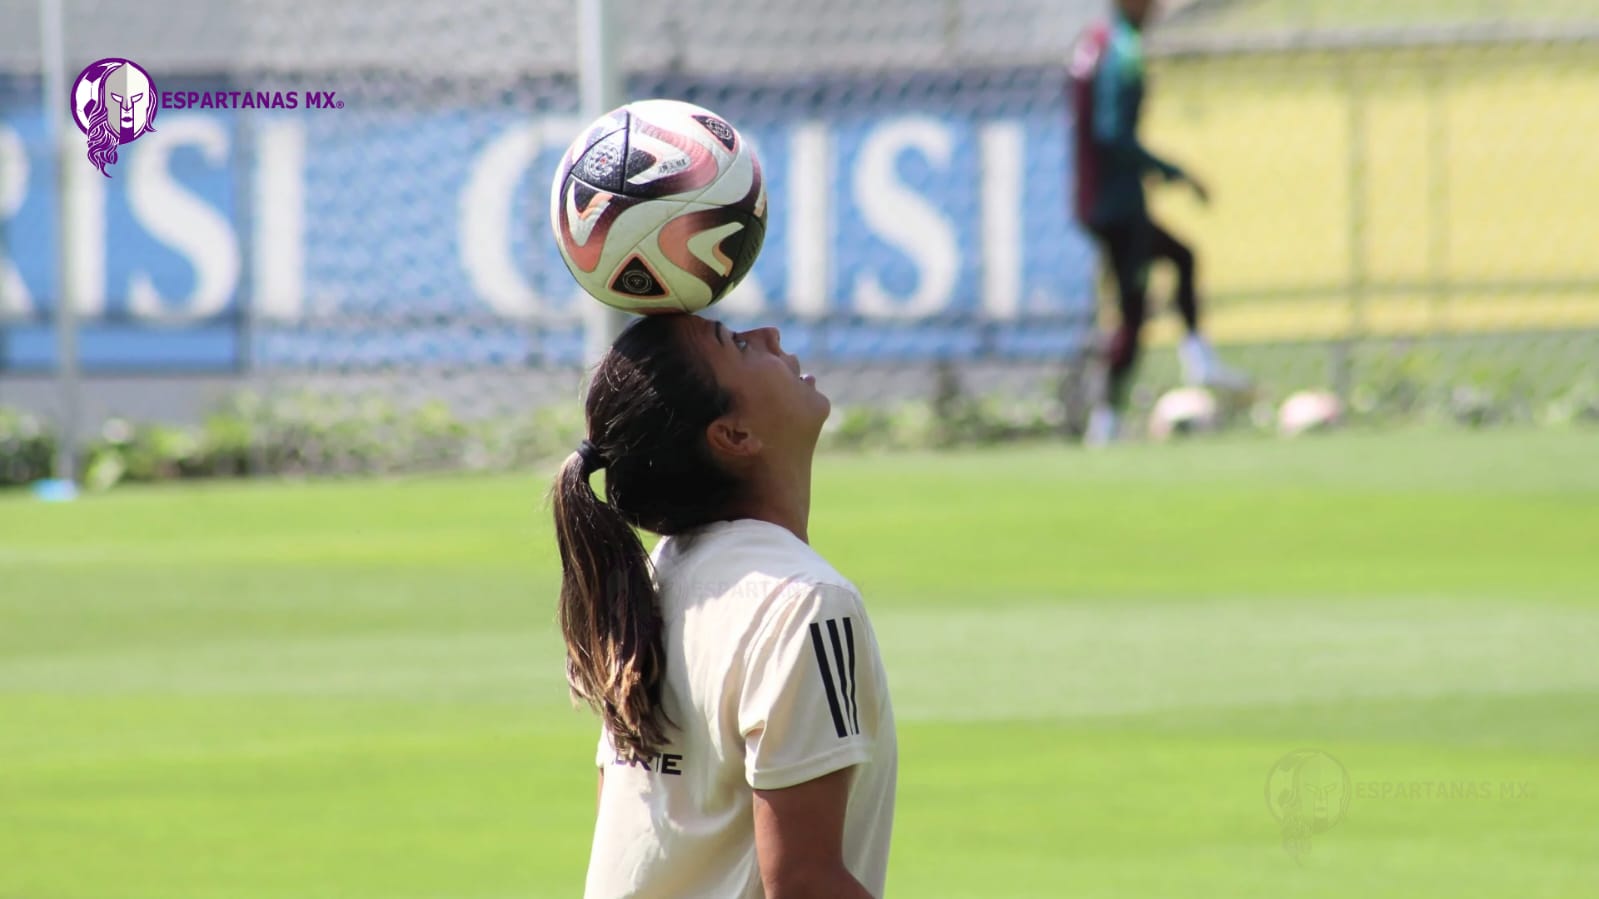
x=1401, y=212
x=1404, y=198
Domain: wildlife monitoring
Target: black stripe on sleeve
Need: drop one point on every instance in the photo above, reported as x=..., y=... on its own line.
x=846, y=676
x=827, y=678
x=855, y=709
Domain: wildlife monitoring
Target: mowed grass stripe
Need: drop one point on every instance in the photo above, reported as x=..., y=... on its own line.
x=1033, y=661
x=1055, y=663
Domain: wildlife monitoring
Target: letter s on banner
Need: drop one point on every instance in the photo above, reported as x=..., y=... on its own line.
x=14, y=299
x=181, y=220
x=905, y=218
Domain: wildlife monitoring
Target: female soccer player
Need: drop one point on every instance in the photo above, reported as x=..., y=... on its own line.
x=747, y=746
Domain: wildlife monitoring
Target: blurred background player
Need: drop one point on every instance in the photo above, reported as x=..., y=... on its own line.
x=1107, y=83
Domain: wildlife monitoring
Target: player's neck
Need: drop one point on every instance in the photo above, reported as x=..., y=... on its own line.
x=783, y=500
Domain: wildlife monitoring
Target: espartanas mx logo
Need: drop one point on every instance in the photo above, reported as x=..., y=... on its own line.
x=114, y=102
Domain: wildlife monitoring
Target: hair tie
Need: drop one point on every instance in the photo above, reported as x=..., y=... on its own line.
x=593, y=459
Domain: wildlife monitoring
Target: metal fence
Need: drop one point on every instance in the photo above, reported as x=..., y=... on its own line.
x=1403, y=211
x=1403, y=199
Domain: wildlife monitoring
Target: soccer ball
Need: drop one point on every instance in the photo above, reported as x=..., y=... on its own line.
x=659, y=206
x=1183, y=411
x=1309, y=410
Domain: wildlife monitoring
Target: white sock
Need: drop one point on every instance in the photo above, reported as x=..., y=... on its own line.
x=1104, y=423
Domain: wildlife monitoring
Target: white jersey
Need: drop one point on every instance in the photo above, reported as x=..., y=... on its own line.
x=773, y=678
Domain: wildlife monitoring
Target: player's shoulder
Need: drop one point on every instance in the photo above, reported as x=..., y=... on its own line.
x=812, y=590
x=784, y=584
x=1090, y=47
x=812, y=597
x=755, y=560
x=800, y=613
x=817, y=582
x=740, y=541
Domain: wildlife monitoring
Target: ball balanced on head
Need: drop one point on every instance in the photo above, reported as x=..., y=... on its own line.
x=659, y=206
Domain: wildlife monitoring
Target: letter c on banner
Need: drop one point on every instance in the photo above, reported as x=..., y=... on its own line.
x=485, y=213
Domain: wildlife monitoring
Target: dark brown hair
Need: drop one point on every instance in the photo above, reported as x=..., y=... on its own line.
x=649, y=404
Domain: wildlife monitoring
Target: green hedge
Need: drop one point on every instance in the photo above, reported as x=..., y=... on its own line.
x=27, y=448
x=316, y=434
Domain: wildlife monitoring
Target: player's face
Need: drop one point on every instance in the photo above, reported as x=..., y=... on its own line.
x=1138, y=11
x=772, y=396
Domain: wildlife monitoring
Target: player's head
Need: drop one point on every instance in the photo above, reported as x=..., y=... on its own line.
x=693, y=421
x=1137, y=12
x=692, y=424
x=770, y=428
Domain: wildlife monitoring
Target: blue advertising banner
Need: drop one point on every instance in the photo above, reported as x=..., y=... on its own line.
x=389, y=222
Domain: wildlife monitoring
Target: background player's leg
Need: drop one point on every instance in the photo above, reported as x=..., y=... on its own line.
x=1128, y=248
x=1125, y=343
x=1194, y=354
x=1165, y=246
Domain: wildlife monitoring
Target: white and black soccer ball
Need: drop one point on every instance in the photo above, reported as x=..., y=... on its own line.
x=659, y=206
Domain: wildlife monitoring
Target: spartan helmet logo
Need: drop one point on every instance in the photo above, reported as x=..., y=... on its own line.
x=114, y=102
x=1308, y=793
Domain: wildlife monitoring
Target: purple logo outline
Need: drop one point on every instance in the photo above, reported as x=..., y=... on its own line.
x=112, y=85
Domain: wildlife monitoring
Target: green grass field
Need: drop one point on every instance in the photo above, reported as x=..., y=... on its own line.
x=353, y=689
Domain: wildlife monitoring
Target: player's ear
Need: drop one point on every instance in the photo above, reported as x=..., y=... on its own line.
x=729, y=436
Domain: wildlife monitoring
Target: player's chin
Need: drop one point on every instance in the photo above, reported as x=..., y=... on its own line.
x=816, y=402
x=809, y=387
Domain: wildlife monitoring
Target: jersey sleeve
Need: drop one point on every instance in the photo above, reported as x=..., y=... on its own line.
x=809, y=704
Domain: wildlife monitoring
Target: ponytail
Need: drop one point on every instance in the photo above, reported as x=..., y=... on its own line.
x=615, y=654
x=650, y=401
